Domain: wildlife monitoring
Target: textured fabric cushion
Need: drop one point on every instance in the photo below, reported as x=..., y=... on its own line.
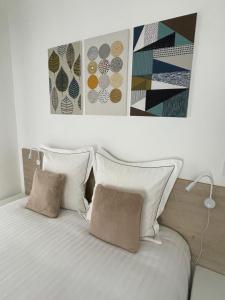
x=116, y=217
x=46, y=194
x=76, y=165
x=154, y=180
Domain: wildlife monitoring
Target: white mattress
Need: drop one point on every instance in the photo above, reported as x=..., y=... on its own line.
x=42, y=258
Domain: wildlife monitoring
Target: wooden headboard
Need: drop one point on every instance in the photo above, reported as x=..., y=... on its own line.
x=184, y=213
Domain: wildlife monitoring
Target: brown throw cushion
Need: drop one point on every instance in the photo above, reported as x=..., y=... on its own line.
x=116, y=217
x=46, y=194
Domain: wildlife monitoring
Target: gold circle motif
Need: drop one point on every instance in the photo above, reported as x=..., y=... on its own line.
x=116, y=80
x=92, y=67
x=116, y=48
x=92, y=82
x=115, y=95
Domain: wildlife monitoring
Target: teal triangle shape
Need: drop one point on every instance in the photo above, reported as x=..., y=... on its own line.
x=157, y=110
x=181, y=40
x=163, y=30
x=176, y=106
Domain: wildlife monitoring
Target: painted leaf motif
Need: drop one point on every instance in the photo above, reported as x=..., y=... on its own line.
x=50, y=85
x=62, y=80
x=79, y=102
x=61, y=50
x=54, y=99
x=74, y=88
x=76, y=67
x=53, y=62
x=66, y=106
x=70, y=55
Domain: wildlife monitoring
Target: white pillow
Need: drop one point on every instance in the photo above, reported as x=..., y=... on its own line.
x=154, y=180
x=76, y=165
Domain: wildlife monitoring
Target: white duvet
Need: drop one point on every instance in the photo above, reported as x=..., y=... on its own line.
x=43, y=259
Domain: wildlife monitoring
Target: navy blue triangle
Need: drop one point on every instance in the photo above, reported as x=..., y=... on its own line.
x=162, y=67
x=137, y=33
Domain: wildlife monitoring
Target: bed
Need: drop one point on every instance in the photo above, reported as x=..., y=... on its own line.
x=42, y=258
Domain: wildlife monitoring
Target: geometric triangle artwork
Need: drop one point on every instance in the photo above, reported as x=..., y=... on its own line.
x=163, y=67
x=167, y=41
x=154, y=97
x=157, y=110
x=138, y=112
x=162, y=62
x=184, y=25
x=137, y=33
x=137, y=95
x=151, y=33
x=160, y=85
x=141, y=41
x=141, y=83
x=181, y=40
x=183, y=61
x=163, y=30
x=147, y=34
x=176, y=105
x=140, y=104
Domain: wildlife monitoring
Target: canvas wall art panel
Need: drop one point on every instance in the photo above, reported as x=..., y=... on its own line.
x=161, y=68
x=65, y=84
x=106, y=62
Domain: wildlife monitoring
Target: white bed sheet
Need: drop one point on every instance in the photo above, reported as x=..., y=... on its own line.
x=42, y=258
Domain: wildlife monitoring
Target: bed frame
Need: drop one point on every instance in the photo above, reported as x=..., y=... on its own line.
x=184, y=213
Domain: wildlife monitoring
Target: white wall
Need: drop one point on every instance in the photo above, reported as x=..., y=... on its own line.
x=9, y=168
x=199, y=139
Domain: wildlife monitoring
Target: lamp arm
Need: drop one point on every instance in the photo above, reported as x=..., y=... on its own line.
x=211, y=190
x=38, y=161
x=208, y=175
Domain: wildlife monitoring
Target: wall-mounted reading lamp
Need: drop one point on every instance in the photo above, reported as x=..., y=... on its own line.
x=38, y=161
x=208, y=202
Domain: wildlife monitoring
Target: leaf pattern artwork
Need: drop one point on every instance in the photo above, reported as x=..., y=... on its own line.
x=62, y=80
x=76, y=67
x=50, y=85
x=66, y=106
x=74, y=89
x=79, y=102
x=70, y=55
x=54, y=99
x=53, y=62
x=65, y=77
x=61, y=50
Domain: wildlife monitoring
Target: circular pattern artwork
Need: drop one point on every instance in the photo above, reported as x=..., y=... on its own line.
x=116, y=80
x=92, y=81
x=116, y=48
x=92, y=67
x=115, y=95
x=92, y=53
x=116, y=64
x=104, y=66
x=104, y=51
x=103, y=96
x=92, y=96
x=104, y=81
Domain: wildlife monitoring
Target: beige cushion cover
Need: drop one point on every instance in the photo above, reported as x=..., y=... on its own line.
x=116, y=217
x=46, y=194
